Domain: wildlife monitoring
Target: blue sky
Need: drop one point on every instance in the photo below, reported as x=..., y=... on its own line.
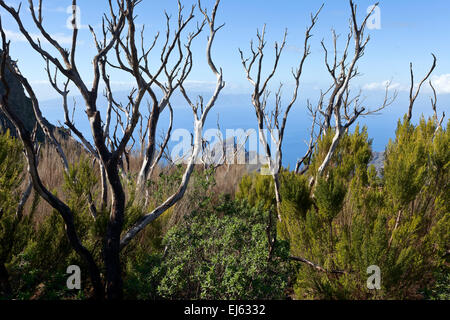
x=410, y=32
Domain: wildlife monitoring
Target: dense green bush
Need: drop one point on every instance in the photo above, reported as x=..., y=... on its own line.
x=219, y=253
x=364, y=231
x=13, y=235
x=352, y=218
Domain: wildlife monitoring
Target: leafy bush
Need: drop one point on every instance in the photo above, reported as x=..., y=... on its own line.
x=216, y=253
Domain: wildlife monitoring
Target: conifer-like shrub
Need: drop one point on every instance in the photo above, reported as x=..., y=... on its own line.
x=12, y=234
x=353, y=217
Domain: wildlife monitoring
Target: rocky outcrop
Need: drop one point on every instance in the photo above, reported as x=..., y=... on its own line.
x=378, y=161
x=21, y=105
x=233, y=151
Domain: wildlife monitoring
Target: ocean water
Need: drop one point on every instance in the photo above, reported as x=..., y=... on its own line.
x=234, y=111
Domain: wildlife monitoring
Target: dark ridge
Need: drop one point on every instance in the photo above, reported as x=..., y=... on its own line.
x=21, y=105
x=378, y=161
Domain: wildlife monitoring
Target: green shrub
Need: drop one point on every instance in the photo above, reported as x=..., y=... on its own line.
x=11, y=177
x=15, y=230
x=217, y=253
x=353, y=219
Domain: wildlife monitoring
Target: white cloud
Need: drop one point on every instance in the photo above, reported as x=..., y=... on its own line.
x=199, y=85
x=19, y=37
x=56, y=9
x=375, y=86
x=441, y=83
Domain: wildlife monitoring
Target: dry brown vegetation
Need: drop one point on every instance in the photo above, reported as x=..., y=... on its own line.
x=226, y=177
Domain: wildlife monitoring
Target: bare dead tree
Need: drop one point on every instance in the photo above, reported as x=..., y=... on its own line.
x=200, y=112
x=412, y=99
x=175, y=76
x=306, y=159
x=29, y=187
x=53, y=79
x=433, y=106
x=270, y=120
x=120, y=40
x=30, y=152
x=346, y=110
x=413, y=95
